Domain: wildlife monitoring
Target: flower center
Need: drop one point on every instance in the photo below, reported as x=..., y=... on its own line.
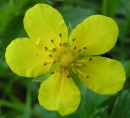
x=66, y=59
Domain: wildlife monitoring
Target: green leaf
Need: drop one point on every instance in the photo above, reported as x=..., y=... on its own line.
x=14, y=30
x=100, y=113
x=126, y=8
x=109, y=7
x=3, y=68
x=122, y=106
x=75, y=15
x=127, y=71
x=11, y=105
x=90, y=102
x=27, y=110
x=93, y=4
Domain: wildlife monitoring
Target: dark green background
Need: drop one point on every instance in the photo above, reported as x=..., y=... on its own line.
x=18, y=95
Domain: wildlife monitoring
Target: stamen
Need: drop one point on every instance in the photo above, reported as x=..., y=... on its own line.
x=46, y=48
x=61, y=70
x=73, y=43
x=54, y=49
x=45, y=63
x=74, y=48
x=60, y=35
x=54, y=61
x=52, y=73
x=52, y=41
x=71, y=65
x=80, y=64
x=84, y=48
x=80, y=72
x=79, y=51
x=50, y=55
x=64, y=44
x=87, y=76
x=84, y=64
x=75, y=72
x=73, y=39
x=81, y=61
x=60, y=44
x=68, y=76
x=49, y=62
x=90, y=59
x=67, y=73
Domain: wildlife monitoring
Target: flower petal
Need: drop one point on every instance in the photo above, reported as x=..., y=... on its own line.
x=44, y=23
x=105, y=76
x=27, y=59
x=97, y=33
x=59, y=93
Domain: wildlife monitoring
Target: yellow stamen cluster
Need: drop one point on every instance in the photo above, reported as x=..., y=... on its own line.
x=66, y=58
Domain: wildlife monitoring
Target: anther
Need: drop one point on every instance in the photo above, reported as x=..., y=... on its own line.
x=73, y=39
x=60, y=35
x=46, y=48
x=90, y=59
x=84, y=64
x=54, y=49
x=45, y=63
x=50, y=55
x=64, y=44
x=87, y=76
x=79, y=51
x=60, y=44
x=68, y=76
x=52, y=41
x=84, y=48
x=74, y=48
x=54, y=61
x=52, y=73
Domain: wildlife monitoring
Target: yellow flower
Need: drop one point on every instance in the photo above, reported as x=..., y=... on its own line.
x=48, y=44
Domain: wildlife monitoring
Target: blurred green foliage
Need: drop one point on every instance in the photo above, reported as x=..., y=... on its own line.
x=18, y=96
